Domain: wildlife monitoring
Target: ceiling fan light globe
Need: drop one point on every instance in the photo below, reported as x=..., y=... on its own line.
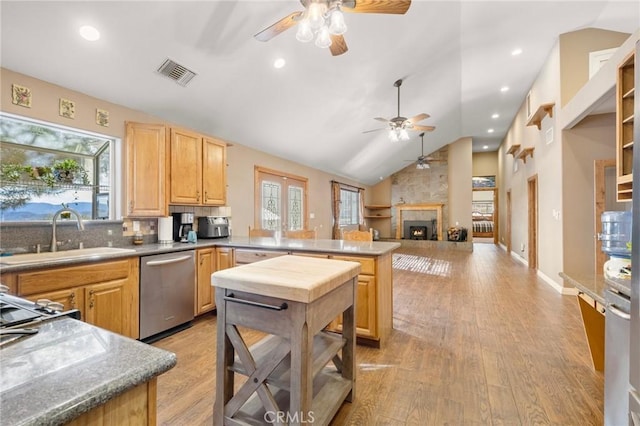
x=404, y=136
x=323, y=40
x=393, y=135
x=337, y=26
x=315, y=15
x=304, y=33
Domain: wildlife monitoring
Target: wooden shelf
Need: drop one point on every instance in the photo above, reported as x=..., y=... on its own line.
x=378, y=206
x=377, y=216
x=537, y=117
x=526, y=152
x=514, y=149
x=625, y=98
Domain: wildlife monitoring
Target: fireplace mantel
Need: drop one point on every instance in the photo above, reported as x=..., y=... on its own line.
x=400, y=208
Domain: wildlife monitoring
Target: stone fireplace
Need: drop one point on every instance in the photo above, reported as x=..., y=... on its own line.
x=420, y=230
x=401, y=228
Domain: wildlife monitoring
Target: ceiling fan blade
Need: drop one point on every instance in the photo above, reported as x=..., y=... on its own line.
x=280, y=26
x=382, y=119
x=338, y=45
x=419, y=117
x=423, y=128
x=374, y=130
x=395, y=7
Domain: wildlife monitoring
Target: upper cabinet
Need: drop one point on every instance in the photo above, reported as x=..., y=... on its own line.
x=146, y=157
x=197, y=169
x=625, y=94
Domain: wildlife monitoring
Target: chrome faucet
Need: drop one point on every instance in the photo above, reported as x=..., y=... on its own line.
x=54, y=243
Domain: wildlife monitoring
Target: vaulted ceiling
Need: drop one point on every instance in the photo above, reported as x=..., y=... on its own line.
x=453, y=57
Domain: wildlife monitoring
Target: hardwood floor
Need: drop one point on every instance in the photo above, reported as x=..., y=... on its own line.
x=477, y=339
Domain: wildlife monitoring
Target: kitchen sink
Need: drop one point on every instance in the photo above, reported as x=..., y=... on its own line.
x=96, y=252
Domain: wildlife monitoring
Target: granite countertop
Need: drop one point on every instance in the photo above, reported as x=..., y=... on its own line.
x=594, y=285
x=360, y=248
x=70, y=367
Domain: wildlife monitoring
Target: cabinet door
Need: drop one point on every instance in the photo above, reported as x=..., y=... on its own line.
x=105, y=306
x=205, y=300
x=185, y=167
x=146, y=159
x=224, y=258
x=214, y=172
x=365, y=308
x=70, y=298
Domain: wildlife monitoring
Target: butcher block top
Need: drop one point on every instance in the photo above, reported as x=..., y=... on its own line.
x=296, y=278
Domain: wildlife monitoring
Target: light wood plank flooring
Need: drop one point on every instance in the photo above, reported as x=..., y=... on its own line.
x=478, y=339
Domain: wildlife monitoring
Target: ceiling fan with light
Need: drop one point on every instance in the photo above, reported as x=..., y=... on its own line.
x=422, y=162
x=399, y=125
x=323, y=19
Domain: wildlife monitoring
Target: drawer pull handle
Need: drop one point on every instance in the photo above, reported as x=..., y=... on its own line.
x=232, y=298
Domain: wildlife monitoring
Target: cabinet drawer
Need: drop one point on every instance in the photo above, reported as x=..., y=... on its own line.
x=73, y=276
x=368, y=264
x=250, y=256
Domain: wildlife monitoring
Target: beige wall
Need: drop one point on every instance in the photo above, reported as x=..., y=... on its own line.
x=485, y=163
x=546, y=164
x=574, y=56
x=460, y=190
x=241, y=160
x=592, y=139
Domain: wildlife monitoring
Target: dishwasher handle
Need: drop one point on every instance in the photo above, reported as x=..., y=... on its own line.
x=618, y=312
x=168, y=261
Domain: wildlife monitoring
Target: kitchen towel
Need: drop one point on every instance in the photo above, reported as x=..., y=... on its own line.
x=165, y=230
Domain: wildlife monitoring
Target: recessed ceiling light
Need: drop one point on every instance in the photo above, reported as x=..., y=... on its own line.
x=279, y=63
x=516, y=52
x=485, y=147
x=490, y=131
x=504, y=89
x=496, y=115
x=89, y=33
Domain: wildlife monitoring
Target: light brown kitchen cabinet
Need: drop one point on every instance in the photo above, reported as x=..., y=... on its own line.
x=105, y=305
x=106, y=293
x=366, y=323
x=146, y=159
x=214, y=172
x=625, y=95
x=224, y=258
x=197, y=169
x=244, y=256
x=205, y=298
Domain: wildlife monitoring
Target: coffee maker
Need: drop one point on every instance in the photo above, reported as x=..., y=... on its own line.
x=182, y=224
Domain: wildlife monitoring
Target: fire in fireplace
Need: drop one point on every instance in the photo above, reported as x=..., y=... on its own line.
x=418, y=232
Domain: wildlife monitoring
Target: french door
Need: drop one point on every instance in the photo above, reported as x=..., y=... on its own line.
x=280, y=200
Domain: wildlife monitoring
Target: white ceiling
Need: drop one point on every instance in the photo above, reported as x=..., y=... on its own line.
x=453, y=56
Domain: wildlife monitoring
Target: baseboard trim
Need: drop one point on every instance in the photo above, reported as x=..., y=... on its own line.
x=520, y=259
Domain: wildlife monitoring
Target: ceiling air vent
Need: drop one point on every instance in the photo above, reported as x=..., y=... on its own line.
x=176, y=72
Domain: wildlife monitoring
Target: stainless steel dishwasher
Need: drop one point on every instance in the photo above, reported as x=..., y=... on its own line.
x=616, y=359
x=167, y=283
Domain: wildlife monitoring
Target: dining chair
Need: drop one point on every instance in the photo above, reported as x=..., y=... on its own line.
x=302, y=234
x=257, y=232
x=358, y=235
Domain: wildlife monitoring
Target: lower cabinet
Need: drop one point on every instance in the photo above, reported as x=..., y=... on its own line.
x=105, y=293
x=137, y=406
x=224, y=258
x=206, y=265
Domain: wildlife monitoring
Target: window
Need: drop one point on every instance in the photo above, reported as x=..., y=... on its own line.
x=281, y=200
x=349, y=207
x=43, y=166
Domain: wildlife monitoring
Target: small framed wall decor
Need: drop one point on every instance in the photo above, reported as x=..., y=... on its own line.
x=102, y=117
x=21, y=95
x=67, y=108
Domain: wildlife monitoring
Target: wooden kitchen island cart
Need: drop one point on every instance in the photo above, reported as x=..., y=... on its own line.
x=299, y=373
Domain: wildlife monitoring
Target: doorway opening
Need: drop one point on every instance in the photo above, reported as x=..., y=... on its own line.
x=532, y=196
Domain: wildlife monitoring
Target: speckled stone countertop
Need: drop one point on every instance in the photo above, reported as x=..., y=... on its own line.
x=70, y=367
x=359, y=248
x=594, y=285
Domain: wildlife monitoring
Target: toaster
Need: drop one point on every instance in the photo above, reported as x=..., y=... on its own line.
x=213, y=227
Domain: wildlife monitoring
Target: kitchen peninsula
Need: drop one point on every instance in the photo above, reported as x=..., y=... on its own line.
x=374, y=312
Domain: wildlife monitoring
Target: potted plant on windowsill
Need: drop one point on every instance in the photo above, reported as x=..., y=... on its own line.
x=68, y=169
